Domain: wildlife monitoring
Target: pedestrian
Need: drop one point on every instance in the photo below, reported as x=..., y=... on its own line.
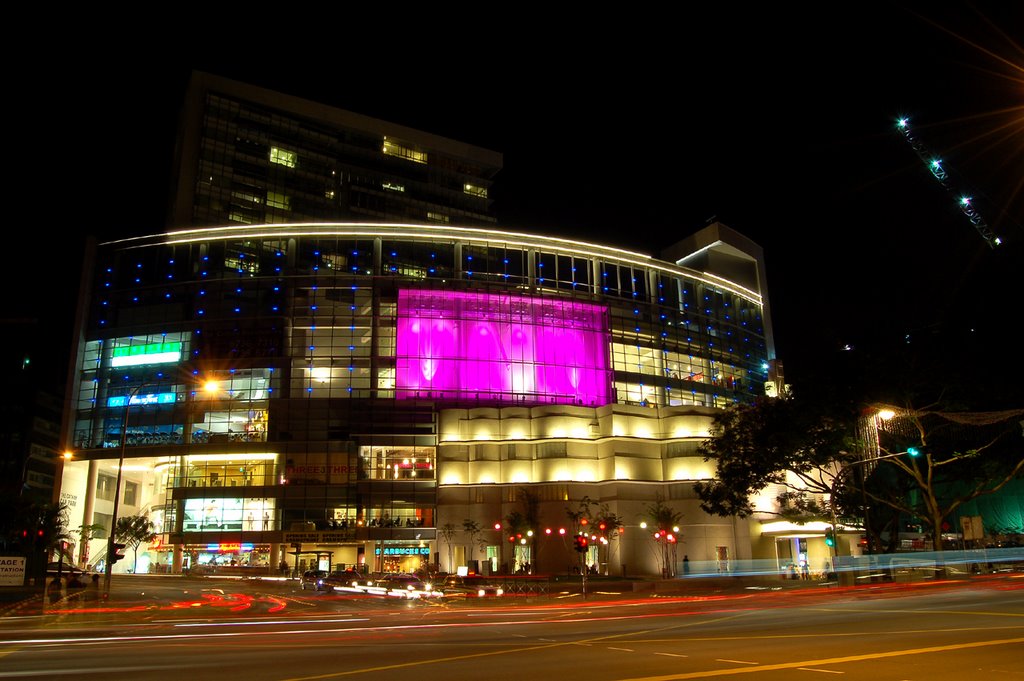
x=686, y=564
x=284, y=568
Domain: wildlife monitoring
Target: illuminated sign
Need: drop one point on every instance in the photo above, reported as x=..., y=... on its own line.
x=150, y=353
x=229, y=548
x=404, y=551
x=152, y=398
x=505, y=347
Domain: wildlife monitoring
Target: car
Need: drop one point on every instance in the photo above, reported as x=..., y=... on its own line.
x=472, y=587
x=406, y=586
x=345, y=579
x=65, y=569
x=313, y=579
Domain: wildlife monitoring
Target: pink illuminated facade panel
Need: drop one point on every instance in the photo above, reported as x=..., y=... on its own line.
x=501, y=347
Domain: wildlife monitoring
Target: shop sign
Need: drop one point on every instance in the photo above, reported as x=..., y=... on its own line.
x=229, y=548
x=317, y=537
x=404, y=551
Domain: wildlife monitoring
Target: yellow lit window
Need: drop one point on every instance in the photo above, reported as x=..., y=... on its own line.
x=474, y=190
x=437, y=217
x=275, y=200
x=282, y=157
x=394, y=148
x=393, y=186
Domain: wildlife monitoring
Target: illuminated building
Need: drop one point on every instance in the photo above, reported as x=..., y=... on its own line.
x=377, y=382
x=247, y=155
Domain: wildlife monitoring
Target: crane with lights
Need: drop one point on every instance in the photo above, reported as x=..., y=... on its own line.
x=937, y=170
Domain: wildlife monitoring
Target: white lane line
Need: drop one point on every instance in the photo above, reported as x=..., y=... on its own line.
x=625, y=650
x=736, y=661
x=823, y=671
x=671, y=654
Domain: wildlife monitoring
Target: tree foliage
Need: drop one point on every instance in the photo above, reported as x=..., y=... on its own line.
x=134, y=530
x=796, y=445
x=961, y=456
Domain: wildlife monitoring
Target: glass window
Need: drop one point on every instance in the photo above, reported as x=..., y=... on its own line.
x=105, y=487
x=131, y=493
x=282, y=157
x=395, y=148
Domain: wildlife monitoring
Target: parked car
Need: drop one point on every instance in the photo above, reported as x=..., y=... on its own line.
x=473, y=587
x=313, y=579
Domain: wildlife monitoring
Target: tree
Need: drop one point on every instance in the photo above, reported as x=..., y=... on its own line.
x=447, y=532
x=133, y=530
x=798, y=446
x=476, y=536
x=957, y=457
x=664, y=520
x=86, y=533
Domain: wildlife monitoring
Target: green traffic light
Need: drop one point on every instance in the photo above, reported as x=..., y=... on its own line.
x=913, y=451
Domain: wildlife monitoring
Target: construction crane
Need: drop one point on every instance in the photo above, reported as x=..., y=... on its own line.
x=934, y=164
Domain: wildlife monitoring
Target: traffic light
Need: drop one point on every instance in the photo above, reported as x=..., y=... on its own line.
x=116, y=552
x=581, y=543
x=830, y=538
x=913, y=451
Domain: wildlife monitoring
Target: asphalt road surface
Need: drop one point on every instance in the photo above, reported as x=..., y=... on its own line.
x=250, y=632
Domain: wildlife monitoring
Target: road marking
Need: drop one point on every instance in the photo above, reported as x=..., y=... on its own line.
x=671, y=654
x=736, y=661
x=625, y=650
x=827, y=661
x=507, y=651
x=921, y=612
x=823, y=671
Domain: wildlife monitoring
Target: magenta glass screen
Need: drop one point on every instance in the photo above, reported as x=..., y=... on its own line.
x=509, y=348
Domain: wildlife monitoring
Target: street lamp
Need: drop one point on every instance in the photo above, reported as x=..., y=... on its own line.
x=109, y=565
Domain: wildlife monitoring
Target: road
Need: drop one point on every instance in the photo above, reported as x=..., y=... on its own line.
x=258, y=631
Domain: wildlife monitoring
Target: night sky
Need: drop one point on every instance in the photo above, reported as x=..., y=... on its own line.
x=634, y=130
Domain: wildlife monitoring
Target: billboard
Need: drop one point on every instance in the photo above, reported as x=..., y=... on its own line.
x=501, y=347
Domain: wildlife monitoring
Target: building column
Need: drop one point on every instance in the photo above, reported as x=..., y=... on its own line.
x=87, y=508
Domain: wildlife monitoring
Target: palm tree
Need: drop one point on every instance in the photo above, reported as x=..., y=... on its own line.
x=132, y=531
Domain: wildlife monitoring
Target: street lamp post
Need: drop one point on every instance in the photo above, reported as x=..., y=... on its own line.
x=117, y=490
x=835, y=486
